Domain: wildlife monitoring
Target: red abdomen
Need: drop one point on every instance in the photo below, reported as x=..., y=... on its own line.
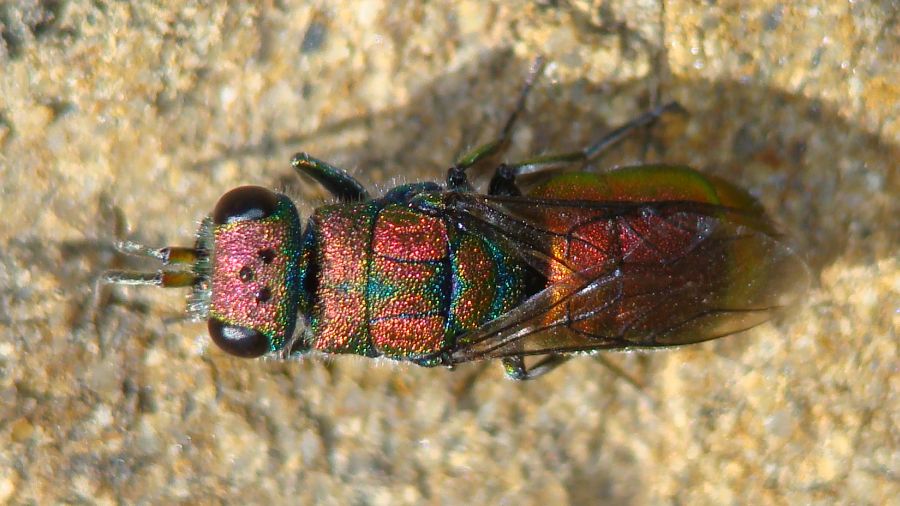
x=649, y=241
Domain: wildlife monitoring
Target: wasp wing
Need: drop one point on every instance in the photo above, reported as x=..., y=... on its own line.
x=629, y=275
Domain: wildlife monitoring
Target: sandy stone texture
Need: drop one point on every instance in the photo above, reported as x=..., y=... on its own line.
x=158, y=108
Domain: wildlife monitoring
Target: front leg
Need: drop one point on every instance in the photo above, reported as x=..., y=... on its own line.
x=335, y=179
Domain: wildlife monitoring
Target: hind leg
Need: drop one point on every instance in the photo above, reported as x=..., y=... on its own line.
x=515, y=369
x=504, y=180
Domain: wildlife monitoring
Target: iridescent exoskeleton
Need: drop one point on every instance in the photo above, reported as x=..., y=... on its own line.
x=572, y=262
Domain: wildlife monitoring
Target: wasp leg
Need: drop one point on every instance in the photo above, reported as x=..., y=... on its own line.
x=514, y=367
x=505, y=175
x=336, y=180
x=489, y=154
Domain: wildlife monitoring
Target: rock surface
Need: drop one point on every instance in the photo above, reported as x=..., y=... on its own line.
x=158, y=109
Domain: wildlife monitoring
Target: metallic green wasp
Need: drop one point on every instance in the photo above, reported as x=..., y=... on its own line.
x=572, y=262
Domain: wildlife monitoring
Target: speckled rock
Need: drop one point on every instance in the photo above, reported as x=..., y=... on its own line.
x=158, y=109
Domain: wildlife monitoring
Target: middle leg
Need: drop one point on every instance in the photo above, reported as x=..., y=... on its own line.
x=488, y=154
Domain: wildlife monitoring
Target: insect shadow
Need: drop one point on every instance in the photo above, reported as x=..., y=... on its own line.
x=778, y=145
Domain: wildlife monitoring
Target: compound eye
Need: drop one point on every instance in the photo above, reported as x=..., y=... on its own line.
x=245, y=203
x=236, y=340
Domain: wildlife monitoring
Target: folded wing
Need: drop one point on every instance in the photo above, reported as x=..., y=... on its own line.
x=625, y=275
